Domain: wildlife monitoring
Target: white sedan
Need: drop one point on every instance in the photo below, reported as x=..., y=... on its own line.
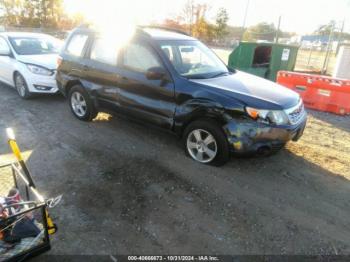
x=28, y=62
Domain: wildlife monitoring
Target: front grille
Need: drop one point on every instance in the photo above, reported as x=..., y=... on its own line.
x=295, y=114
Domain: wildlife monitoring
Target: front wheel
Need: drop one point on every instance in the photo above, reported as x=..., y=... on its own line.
x=205, y=142
x=21, y=86
x=81, y=104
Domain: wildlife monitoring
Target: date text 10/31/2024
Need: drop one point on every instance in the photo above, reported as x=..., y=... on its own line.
x=173, y=258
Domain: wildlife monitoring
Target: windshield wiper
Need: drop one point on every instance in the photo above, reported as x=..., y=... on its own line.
x=205, y=76
x=220, y=74
x=195, y=77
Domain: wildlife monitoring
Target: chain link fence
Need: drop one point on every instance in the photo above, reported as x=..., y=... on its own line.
x=314, y=60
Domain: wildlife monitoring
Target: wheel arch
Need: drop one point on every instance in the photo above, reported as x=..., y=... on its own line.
x=210, y=125
x=70, y=84
x=198, y=109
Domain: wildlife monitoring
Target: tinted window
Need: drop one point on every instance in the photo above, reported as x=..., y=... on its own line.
x=104, y=51
x=140, y=58
x=76, y=44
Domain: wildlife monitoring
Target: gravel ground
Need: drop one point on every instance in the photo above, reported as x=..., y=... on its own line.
x=128, y=188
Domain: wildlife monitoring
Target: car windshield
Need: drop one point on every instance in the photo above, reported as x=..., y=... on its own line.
x=35, y=45
x=192, y=59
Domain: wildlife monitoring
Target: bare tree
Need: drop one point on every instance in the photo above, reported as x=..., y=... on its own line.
x=221, y=20
x=187, y=14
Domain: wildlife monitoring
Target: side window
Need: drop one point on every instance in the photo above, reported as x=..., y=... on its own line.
x=76, y=44
x=4, y=47
x=104, y=51
x=168, y=51
x=193, y=55
x=140, y=58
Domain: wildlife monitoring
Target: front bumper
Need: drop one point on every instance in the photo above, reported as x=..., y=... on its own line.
x=248, y=136
x=42, y=84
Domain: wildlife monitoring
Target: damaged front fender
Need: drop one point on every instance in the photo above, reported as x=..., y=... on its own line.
x=246, y=135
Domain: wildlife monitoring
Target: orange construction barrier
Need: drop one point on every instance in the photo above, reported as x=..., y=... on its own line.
x=319, y=92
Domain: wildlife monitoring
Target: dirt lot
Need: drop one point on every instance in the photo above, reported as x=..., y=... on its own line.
x=129, y=189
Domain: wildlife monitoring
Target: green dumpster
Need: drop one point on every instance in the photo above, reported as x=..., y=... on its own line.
x=263, y=59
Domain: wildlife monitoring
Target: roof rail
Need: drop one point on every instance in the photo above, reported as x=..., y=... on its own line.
x=162, y=28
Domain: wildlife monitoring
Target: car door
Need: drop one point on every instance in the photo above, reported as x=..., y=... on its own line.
x=150, y=100
x=102, y=73
x=7, y=62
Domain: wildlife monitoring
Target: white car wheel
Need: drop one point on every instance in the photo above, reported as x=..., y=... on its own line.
x=21, y=86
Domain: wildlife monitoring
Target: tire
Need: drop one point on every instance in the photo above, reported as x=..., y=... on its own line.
x=21, y=86
x=81, y=104
x=195, y=148
x=266, y=152
x=277, y=148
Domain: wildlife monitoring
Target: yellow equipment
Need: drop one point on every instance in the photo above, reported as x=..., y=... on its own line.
x=35, y=203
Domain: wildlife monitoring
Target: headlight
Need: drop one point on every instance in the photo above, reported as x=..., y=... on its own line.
x=39, y=70
x=277, y=117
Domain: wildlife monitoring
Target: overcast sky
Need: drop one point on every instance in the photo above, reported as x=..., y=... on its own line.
x=301, y=16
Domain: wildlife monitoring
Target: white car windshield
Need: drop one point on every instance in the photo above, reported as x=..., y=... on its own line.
x=35, y=45
x=192, y=59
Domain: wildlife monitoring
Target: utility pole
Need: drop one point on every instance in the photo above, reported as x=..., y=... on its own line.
x=245, y=18
x=329, y=48
x=340, y=38
x=278, y=29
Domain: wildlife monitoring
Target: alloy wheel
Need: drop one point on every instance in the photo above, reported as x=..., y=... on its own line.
x=20, y=85
x=78, y=104
x=201, y=145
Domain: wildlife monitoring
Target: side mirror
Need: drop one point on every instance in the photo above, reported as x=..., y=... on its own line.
x=5, y=52
x=155, y=73
x=231, y=70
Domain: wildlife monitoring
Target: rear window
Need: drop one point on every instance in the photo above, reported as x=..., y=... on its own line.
x=76, y=44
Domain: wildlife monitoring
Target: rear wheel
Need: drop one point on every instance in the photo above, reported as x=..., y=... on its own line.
x=205, y=142
x=81, y=104
x=21, y=86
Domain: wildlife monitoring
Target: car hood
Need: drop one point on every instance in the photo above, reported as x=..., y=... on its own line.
x=252, y=90
x=48, y=61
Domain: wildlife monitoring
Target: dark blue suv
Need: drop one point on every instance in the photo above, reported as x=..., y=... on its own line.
x=172, y=80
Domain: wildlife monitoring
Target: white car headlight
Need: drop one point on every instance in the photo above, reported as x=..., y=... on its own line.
x=278, y=117
x=39, y=70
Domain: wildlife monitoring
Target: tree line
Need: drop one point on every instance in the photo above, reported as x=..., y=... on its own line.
x=37, y=13
x=193, y=19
